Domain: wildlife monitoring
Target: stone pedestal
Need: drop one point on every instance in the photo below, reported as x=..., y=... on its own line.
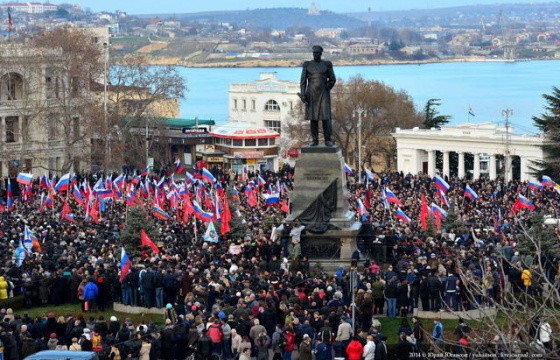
x=315, y=169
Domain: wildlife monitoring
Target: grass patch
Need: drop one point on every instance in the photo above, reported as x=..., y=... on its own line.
x=16, y=303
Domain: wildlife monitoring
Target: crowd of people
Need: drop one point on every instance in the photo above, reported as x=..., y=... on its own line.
x=254, y=294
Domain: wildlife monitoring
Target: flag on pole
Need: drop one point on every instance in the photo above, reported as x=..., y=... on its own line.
x=470, y=193
x=125, y=264
x=399, y=214
x=438, y=212
x=207, y=175
x=347, y=169
x=522, y=203
x=442, y=197
x=441, y=184
x=272, y=199
x=19, y=254
x=547, y=181
x=25, y=178
x=424, y=211
x=178, y=167
x=63, y=183
x=391, y=197
x=146, y=241
x=211, y=235
x=471, y=111
x=9, y=196
x=535, y=185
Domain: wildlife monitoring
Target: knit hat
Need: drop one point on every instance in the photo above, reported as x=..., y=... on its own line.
x=53, y=336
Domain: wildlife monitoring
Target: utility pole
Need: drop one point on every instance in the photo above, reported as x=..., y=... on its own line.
x=359, y=111
x=507, y=157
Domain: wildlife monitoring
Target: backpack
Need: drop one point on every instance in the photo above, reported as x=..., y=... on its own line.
x=282, y=341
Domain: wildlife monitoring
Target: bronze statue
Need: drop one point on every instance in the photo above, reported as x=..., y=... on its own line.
x=317, y=80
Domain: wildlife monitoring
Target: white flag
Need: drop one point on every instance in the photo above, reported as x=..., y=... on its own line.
x=211, y=234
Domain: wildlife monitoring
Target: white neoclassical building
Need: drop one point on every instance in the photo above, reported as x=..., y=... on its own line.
x=417, y=148
x=265, y=103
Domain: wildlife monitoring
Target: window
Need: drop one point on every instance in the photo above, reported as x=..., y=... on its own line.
x=291, y=105
x=11, y=87
x=74, y=86
x=275, y=125
x=52, y=87
x=234, y=104
x=227, y=142
x=76, y=128
x=51, y=128
x=28, y=165
x=244, y=105
x=11, y=129
x=263, y=142
x=237, y=142
x=253, y=105
x=272, y=105
x=250, y=142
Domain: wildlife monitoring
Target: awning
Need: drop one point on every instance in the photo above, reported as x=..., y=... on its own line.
x=238, y=130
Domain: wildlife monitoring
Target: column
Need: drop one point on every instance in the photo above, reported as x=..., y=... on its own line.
x=476, y=166
x=523, y=169
x=461, y=165
x=507, y=167
x=445, y=163
x=431, y=163
x=492, y=167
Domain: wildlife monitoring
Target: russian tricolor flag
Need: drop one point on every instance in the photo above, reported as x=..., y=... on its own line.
x=104, y=193
x=535, y=185
x=347, y=169
x=24, y=178
x=125, y=264
x=207, y=175
x=470, y=193
x=547, y=181
x=524, y=203
x=361, y=208
x=272, y=199
x=80, y=199
x=261, y=181
x=159, y=213
x=441, y=184
x=201, y=214
x=392, y=198
x=438, y=212
x=178, y=167
x=63, y=183
x=190, y=178
x=399, y=214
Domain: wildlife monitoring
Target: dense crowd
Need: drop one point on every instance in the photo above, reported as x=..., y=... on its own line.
x=257, y=290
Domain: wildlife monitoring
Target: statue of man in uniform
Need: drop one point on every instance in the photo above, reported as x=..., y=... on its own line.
x=317, y=80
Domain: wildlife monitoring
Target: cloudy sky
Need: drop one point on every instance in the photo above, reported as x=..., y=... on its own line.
x=190, y=6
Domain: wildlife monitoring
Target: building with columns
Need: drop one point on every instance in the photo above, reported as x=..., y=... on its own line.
x=487, y=143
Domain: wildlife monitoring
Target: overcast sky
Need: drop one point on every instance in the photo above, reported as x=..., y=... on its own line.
x=191, y=6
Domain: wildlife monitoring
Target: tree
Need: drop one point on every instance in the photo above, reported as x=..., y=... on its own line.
x=549, y=124
x=76, y=113
x=432, y=119
x=140, y=97
x=511, y=324
x=136, y=220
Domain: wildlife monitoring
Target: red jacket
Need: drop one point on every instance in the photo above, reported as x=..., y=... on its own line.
x=354, y=350
x=215, y=333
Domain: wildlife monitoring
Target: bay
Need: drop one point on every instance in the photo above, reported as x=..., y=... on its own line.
x=488, y=88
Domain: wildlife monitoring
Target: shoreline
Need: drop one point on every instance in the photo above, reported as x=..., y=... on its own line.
x=267, y=63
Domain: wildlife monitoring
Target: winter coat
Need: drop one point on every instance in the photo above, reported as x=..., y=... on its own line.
x=354, y=350
x=3, y=288
x=90, y=291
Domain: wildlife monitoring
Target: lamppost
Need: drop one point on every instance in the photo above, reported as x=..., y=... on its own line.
x=359, y=111
x=108, y=136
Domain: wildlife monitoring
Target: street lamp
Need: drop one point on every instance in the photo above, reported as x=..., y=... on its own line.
x=105, y=59
x=359, y=111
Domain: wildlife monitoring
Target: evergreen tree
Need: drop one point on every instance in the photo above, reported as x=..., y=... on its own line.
x=432, y=119
x=136, y=220
x=549, y=124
